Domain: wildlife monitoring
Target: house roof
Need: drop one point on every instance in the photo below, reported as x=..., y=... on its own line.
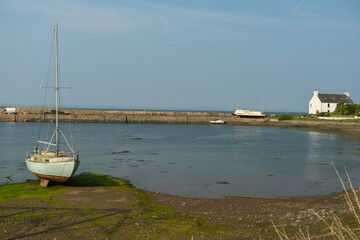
x=334, y=98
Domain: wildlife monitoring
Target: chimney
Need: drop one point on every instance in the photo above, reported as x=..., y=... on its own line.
x=347, y=93
x=316, y=92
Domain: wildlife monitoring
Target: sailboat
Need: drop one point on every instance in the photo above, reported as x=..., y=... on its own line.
x=47, y=161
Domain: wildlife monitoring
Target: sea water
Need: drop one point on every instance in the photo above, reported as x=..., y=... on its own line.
x=197, y=160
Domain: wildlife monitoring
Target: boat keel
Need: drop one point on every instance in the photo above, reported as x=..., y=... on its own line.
x=50, y=178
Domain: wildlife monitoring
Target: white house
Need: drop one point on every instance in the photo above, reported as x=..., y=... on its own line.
x=322, y=102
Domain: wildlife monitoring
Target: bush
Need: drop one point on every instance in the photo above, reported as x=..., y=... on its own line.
x=286, y=117
x=347, y=109
x=323, y=114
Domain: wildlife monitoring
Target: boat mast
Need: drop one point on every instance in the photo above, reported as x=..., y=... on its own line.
x=56, y=89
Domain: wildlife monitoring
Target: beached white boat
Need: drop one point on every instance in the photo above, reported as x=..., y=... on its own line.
x=248, y=113
x=47, y=161
x=217, y=121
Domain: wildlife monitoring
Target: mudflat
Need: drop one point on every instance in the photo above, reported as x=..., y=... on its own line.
x=101, y=207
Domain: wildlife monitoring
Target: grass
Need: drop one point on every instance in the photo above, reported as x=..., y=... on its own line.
x=286, y=117
x=315, y=119
x=338, y=229
x=304, y=118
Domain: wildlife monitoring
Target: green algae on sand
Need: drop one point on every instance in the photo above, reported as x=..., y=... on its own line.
x=25, y=190
x=91, y=205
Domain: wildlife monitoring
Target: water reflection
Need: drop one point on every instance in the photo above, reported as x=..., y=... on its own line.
x=192, y=160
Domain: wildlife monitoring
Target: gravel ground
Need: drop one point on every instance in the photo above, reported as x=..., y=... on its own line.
x=295, y=211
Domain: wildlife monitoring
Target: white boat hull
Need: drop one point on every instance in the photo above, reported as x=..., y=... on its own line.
x=247, y=113
x=217, y=122
x=54, y=171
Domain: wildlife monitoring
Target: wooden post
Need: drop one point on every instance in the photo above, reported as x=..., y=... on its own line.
x=44, y=182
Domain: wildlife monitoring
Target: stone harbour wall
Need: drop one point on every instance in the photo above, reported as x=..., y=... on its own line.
x=171, y=117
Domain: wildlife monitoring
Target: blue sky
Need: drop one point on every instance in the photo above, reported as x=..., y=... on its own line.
x=203, y=54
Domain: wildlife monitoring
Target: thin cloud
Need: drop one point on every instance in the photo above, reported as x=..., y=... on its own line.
x=298, y=6
x=207, y=16
x=175, y=18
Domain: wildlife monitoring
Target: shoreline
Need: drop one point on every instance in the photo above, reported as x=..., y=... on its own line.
x=99, y=207
x=97, y=210
x=32, y=114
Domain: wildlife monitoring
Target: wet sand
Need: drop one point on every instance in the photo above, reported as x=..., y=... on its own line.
x=95, y=210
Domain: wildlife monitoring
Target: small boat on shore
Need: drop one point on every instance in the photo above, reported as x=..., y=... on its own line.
x=248, y=113
x=217, y=121
x=47, y=161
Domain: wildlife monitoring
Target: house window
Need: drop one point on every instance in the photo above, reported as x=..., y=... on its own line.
x=310, y=105
x=328, y=105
